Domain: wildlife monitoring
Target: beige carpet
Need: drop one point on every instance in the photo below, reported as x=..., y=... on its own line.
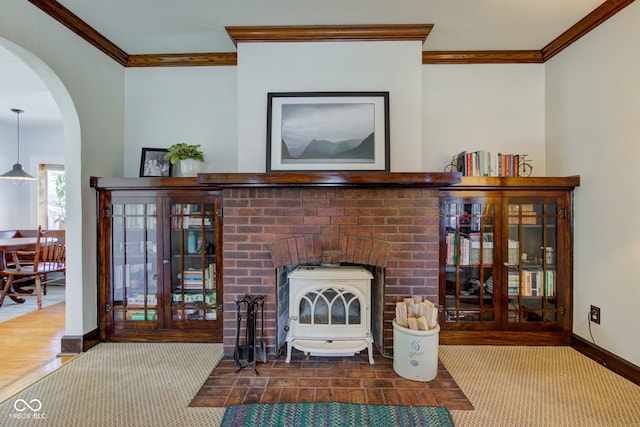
x=121, y=384
x=539, y=386
x=147, y=384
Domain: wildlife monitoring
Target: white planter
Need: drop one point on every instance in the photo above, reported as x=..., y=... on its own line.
x=415, y=353
x=190, y=167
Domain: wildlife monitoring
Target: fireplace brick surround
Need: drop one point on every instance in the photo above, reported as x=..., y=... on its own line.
x=395, y=227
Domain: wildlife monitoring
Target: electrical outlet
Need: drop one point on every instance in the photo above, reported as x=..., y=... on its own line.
x=594, y=314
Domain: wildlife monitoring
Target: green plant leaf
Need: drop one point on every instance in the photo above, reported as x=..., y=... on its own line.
x=182, y=151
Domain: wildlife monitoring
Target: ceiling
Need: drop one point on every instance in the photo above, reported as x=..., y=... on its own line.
x=198, y=26
x=21, y=88
x=189, y=26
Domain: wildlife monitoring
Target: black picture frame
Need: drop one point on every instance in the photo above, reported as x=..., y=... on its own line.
x=328, y=131
x=152, y=163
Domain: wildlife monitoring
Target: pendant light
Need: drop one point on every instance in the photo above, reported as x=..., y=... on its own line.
x=17, y=174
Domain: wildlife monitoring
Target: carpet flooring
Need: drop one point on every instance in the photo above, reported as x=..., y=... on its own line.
x=152, y=384
x=539, y=387
x=121, y=384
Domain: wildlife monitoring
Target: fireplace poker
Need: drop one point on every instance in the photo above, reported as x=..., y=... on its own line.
x=263, y=348
x=251, y=332
x=239, y=350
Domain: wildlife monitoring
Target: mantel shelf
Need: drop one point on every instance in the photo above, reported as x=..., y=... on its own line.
x=337, y=179
x=330, y=179
x=514, y=183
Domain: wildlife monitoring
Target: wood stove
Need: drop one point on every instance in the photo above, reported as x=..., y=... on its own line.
x=329, y=311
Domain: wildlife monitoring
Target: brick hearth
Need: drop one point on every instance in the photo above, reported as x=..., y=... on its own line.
x=395, y=228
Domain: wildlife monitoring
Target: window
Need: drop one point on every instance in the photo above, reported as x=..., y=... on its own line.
x=52, y=191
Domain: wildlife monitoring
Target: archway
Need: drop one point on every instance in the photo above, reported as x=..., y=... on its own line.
x=73, y=167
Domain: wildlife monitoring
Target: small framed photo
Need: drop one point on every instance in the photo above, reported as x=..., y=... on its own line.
x=328, y=131
x=152, y=162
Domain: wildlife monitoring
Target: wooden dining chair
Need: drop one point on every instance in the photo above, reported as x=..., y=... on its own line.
x=49, y=257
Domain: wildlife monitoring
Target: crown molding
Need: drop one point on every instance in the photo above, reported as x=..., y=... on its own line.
x=483, y=57
x=183, y=60
x=81, y=28
x=312, y=33
x=599, y=15
x=428, y=57
x=331, y=33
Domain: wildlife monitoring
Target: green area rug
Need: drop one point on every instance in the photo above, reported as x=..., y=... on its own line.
x=321, y=414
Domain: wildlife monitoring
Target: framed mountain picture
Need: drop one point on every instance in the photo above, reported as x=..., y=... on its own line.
x=328, y=131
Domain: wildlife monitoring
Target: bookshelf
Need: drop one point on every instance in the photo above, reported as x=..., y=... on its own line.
x=160, y=261
x=506, y=260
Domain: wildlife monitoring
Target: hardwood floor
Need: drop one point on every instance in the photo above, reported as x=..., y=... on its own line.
x=29, y=345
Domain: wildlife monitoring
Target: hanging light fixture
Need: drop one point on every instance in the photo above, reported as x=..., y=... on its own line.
x=17, y=174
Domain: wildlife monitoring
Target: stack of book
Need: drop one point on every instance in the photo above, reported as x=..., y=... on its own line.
x=537, y=283
x=463, y=249
x=485, y=163
x=138, y=300
x=193, y=279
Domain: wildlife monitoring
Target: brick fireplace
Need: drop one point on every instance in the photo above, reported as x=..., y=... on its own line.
x=273, y=222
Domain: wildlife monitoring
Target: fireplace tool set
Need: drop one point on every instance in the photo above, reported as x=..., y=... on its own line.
x=245, y=354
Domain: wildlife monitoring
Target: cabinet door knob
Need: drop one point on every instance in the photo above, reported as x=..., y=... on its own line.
x=165, y=261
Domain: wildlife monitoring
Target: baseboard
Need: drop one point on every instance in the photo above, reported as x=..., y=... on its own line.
x=504, y=338
x=609, y=360
x=74, y=344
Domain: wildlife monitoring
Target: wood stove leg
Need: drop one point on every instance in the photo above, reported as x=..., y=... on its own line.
x=289, y=348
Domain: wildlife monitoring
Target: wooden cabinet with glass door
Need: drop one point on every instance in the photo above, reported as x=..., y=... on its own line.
x=159, y=261
x=506, y=261
x=193, y=263
x=469, y=298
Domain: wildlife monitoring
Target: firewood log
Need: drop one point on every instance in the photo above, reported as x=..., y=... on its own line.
x=422, y=324
x=410, y=306
x=413, y=324
x=401, y=314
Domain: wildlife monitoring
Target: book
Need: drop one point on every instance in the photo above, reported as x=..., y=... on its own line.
x=211, y=276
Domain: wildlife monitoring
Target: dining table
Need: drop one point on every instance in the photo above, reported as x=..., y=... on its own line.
x=15, y=244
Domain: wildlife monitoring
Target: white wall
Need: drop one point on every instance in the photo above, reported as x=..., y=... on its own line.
x=88, y=88
x=499, y=108
x=37, y=146
x=393, y=67
x=195, y=105
x=593, y=129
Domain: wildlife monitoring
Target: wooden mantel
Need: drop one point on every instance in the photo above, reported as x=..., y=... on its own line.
x=441, y=180
x=330, y=179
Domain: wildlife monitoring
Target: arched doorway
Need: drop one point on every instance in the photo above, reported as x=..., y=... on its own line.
x=72, y=162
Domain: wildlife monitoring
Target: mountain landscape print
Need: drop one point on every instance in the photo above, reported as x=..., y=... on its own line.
x=328, y=133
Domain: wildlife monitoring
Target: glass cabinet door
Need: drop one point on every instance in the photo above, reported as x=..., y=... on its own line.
x=192, y=244
x=531, y=263
x=134, y=271
x=469, y=294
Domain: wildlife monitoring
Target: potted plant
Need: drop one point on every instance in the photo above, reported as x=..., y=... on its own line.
x=188, y=156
